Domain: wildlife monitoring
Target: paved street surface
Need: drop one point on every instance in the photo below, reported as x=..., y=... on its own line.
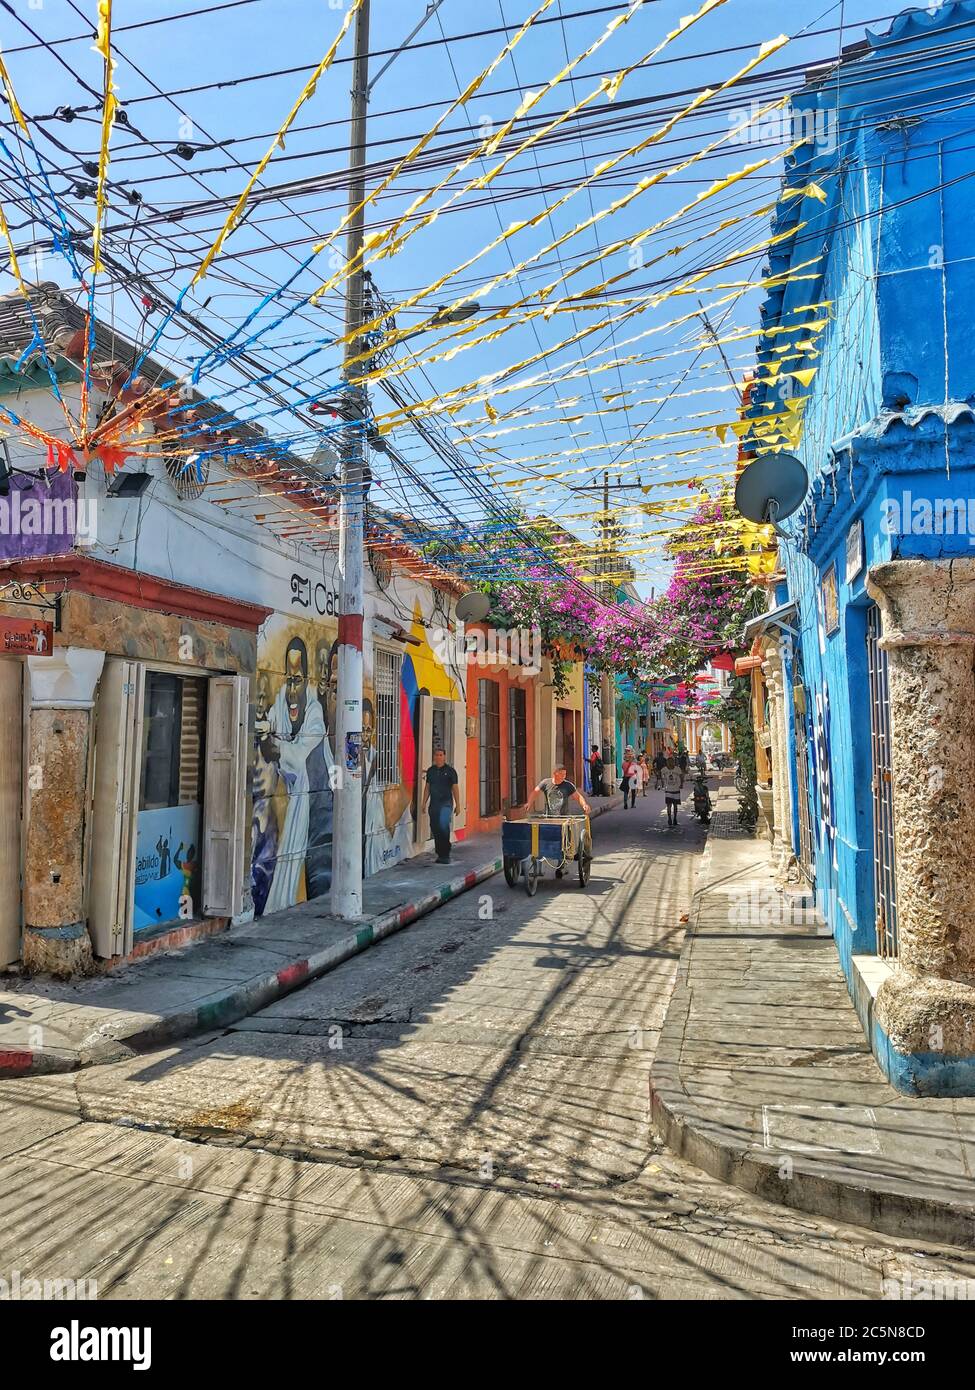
x=462, y=1111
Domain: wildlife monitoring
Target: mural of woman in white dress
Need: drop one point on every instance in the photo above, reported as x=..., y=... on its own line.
x=294, y=744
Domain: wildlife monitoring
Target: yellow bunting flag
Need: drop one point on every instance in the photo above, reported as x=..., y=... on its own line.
x=12, y=102
x=103, y=45
x=304, y=95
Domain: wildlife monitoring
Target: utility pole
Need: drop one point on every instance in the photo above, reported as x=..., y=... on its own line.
x=347, y=818
x=605, y=528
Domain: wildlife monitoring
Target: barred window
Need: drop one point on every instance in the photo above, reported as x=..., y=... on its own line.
x=518, y=746
x=387, y=683
x=489, y=720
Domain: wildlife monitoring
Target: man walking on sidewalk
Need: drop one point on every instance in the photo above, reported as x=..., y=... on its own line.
x=658, y=766
x=443, y=797
x=673, y=783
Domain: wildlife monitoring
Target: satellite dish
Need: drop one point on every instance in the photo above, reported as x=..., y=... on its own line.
x=325, y=462
x=771, y=488
x=473, y=607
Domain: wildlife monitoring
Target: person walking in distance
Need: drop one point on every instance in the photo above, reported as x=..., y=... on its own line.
x=442, y=795
x=673, y=784
x=644, y=773
x=658, y=767
x=596, y=770
x=630, y=774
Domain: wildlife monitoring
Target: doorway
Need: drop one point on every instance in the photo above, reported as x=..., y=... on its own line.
x=565, y=741
x=443, y=728
x=168, y=855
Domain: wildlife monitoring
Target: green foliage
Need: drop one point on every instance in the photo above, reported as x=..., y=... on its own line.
x=736, y=711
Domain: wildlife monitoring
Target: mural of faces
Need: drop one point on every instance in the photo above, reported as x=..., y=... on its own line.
x=296, y=682
x=327, y=683
x=263, y=695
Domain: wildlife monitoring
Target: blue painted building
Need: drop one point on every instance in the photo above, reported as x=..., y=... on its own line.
x=866, y=371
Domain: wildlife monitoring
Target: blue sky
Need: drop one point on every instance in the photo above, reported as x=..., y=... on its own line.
x=245, y=40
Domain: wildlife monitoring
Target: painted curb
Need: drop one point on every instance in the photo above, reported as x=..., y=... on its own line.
x=238, y=1001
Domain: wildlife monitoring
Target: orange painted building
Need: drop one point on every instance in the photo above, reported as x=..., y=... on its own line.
x=502, y=713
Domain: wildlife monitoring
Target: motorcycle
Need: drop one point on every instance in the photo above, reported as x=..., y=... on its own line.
x=702, y=801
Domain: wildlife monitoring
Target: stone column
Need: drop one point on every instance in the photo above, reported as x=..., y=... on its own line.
x=928, y=609
x=56, y=809
x=785, y=780
x=607, y=720
x=772, y=686
x=782, y=848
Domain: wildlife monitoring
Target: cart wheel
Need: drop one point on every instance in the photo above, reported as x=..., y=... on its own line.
x=511, y=870
x=531, y=877
x=585, y=869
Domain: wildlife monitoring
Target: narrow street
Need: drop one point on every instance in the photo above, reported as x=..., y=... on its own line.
x=461, y=1111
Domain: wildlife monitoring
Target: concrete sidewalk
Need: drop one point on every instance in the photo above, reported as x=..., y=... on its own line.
x=764, y=1079
x=56, y=1026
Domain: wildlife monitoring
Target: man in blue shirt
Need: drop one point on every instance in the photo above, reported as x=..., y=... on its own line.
x=442, y=795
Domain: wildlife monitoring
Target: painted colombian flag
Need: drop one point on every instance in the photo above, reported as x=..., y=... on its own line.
x=408, y=701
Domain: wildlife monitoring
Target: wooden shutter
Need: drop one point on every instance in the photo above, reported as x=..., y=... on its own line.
x=224, y=796
x=115, y=808
x=11, y=801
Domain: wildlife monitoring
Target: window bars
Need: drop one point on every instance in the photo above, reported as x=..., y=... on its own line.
x=388, y=670
x=806, y=852
x=518, y=747
x=489, y=771
x=884, y=881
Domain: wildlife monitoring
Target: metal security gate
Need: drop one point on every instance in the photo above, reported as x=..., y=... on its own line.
x=884, y=881
x=806, y=853
x=387, y=680
x=806, y=859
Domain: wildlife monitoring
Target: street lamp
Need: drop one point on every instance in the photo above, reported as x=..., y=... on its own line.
x=444, y=317
x=463, y=311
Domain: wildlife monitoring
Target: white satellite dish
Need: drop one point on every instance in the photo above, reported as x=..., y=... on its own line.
x=473, y=607
x=325, y=461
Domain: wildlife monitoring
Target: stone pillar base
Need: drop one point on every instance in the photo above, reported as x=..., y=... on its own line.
x=58, y=951
x=787, y=868
x=925, y=1034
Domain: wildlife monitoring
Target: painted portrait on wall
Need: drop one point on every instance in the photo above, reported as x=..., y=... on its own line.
x=295, y=759
x=291, y=851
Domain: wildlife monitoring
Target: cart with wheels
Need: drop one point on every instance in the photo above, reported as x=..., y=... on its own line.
x=527, y=846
